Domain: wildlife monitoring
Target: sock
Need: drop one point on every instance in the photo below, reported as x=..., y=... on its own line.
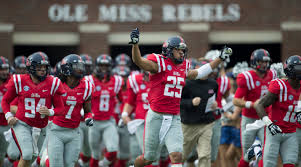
x=120, y=163
x=243, y=163
x=164, y=163
x=38, y=160
x=47, y=163
x=93, y=162
x=288, y=165
x=84, y=158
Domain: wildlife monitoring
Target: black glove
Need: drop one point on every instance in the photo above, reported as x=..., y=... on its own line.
x=226, y=52
x=89, y=121
x=274, y=129
x=298, y=116
x=134, y=36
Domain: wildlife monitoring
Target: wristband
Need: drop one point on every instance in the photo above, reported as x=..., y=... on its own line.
x=267, y=120
x=51, y=112
x=124, y=114
x=8, y=115
x=248, y=104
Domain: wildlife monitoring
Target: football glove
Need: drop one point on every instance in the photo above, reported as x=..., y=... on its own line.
x=134, y=36
x=298, y=116
x=274, y=129
x=89, y=121
x=226, y=52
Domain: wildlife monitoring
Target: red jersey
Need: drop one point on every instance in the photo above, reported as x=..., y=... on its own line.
x=103, y=99
x=31, y=97
x=137, y=90
x=251, y=87
x=283, y=111
x=3, y=90
x=167, y=84
x=224, y=85
x=74, y=100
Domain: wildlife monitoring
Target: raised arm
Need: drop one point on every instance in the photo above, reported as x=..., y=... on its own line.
x=141, y=62
x=206, y=69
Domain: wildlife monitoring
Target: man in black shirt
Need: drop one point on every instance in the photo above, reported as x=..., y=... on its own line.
x=197, y=105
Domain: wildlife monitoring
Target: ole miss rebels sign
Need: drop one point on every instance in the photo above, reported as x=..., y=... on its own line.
x=143, y=13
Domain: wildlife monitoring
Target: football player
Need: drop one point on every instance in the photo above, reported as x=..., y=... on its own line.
x=107, y=87
x=64, y=137
x=282, y=96
x=37, y=92
x=252, y=85
x=167, y=78
x=4, y=77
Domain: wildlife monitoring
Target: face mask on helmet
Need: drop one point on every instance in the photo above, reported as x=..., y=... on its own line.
x=292, y=67
x=176, y=49
x=20, y=65
x=88, y=63
x=37, y=65
x=260, y=60
x=103, y=66
x=4, y=72
x=73, y=65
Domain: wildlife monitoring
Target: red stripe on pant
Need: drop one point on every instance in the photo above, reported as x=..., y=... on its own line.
x=15, y=138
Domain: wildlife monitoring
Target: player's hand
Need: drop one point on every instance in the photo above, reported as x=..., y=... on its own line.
x=274, y=129
x=226, y=52
x=44, y=111
x=126, y=119
x=89, y=122
x=134, y=36
x=196, y=101
x=12, y=121
x=298, y=116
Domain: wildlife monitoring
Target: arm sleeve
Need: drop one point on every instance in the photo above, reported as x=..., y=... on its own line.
x=186, y=99
x=159, y=59
x=8, y=97
x=131, y=97
x=241, y=86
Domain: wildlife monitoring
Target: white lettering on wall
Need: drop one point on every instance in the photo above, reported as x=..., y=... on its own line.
x=197, y=13
x=68, y=13
x=125, y=13
x=143, y=13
